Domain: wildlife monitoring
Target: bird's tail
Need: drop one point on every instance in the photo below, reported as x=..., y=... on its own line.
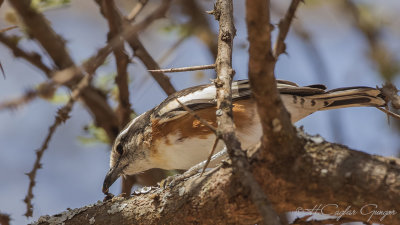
x=350, y=97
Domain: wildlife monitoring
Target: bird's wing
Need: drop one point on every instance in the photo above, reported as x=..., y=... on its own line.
x=203, y=96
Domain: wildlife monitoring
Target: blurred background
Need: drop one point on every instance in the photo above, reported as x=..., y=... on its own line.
x=336, y=43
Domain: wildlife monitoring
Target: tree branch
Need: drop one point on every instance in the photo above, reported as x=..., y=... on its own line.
x=184, y=69
x=278, y=131
x=284, y=26
x=32, y=57
x=223, y=12
x=39, y=28
x=62, y=116
x=327, y=174
x=124, y=110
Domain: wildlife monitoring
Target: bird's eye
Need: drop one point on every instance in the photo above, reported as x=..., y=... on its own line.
x=120, y=149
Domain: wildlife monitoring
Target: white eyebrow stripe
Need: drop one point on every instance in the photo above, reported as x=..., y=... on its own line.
x=123, y=132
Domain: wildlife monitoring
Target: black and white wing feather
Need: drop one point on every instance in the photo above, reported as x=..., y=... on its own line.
x=296, y=98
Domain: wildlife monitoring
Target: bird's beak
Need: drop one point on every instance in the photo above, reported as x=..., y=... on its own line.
x=112, y=176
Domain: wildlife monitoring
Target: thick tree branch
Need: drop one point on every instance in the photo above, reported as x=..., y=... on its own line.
x=278, y=131
x=223, y=12
x=327, y=174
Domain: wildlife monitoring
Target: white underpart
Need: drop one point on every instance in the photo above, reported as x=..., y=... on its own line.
x=183, y=154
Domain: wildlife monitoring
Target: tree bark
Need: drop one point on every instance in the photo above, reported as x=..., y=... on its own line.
x=326, y=173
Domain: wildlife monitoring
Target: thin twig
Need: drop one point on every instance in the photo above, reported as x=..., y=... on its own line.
x=31, y=57
x=141, y=52
x=136, y=10
x=184, y=69
x=210, y=155
x=284, y=26
x=130, y=35
x=389, y=113
x=14, y=103
x=7, y=29
x=62, y=116
x=194, y=114
x=40, y=29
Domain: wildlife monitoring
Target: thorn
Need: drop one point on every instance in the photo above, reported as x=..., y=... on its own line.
x=211, y=12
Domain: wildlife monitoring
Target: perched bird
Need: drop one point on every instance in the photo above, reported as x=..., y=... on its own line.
x=168, y=137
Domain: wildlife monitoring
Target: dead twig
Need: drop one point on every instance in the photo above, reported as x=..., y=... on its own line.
x=223, y=12
x=62, y=116
x=7, y=29
x=32, y=57
x=210, y=155
x=284, y=25
x=129, y=33
x=389, y=113
x=136, y=10
x=184, y=69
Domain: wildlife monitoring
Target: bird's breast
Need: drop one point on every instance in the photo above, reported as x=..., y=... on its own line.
x=184, y=142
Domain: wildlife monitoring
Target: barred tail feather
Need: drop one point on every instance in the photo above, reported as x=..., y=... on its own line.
x=351, y=97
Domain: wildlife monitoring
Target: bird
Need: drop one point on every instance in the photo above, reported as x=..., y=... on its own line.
x=169, y=137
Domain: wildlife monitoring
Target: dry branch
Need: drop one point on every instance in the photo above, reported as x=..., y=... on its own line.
x=39, y=28
x=62, y=116
x=184, y=69
x=284, y=25
x=326, y=174
x=124, y=110
x=7, y=29
x=223, y=12
x=129, y=33
x=32, y=57
x=136, y=10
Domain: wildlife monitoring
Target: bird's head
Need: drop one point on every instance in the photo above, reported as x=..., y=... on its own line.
x=130, y=151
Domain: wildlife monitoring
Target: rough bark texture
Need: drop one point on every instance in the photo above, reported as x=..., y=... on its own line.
x=327, y=174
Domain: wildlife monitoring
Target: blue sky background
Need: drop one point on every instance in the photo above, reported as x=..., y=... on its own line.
x=73, y=173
